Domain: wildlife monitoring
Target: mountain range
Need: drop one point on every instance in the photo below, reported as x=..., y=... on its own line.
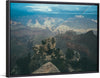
x=70, y=33
x=78, y=23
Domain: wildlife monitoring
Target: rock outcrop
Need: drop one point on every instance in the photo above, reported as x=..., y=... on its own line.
x=46, y=45
x=47, y=49
x=45, y=55
x=47, y=68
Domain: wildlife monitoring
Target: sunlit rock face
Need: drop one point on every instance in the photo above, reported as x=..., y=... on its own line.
x=47, y=68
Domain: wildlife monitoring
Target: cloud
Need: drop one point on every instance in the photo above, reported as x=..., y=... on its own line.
x=39, y=8
x=94, y=20
x=79, y=16
x=77, y=8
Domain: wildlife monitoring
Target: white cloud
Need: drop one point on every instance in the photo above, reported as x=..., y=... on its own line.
x=79, y=16
x=94, y=20
x=40, y=8
x=77, y=8
x=54, y=8
x=49, y=9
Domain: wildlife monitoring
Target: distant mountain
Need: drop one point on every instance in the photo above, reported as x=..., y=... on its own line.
x=57, y=25
x=61, y=29
x=36, y=25
x=81, y=24
x=48, y=22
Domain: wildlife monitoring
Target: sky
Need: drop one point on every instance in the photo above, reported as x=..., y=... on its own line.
x=62, y=9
